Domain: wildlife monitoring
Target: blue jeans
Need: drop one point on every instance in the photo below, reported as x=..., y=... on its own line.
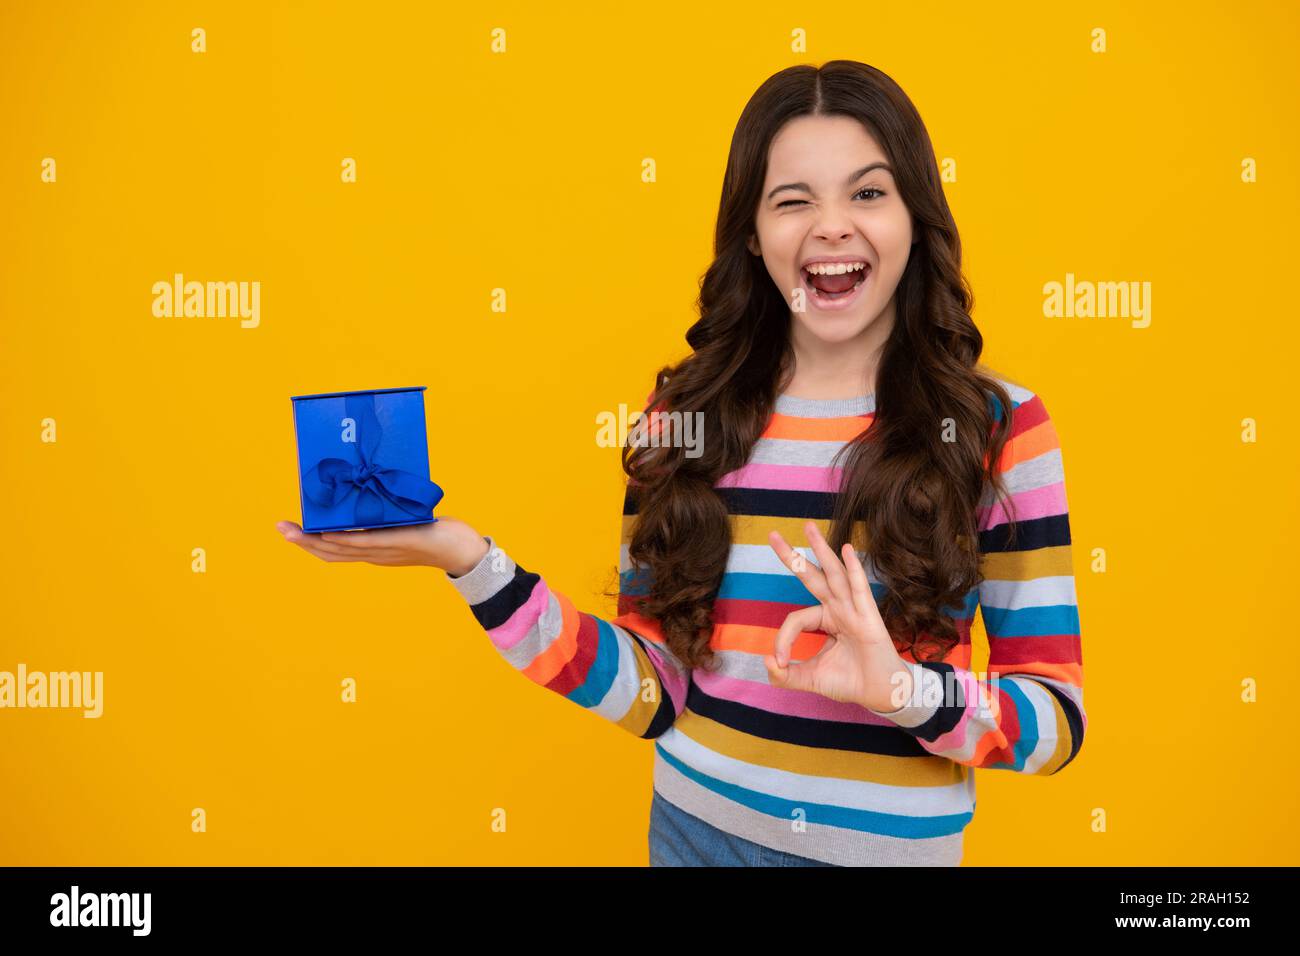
x=679, y=839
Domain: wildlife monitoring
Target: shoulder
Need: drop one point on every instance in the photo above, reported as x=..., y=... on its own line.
x=1028, y=409
x=1033, y=448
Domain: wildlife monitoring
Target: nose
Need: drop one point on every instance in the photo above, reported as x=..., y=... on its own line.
x=832, y=227
x=833, y=218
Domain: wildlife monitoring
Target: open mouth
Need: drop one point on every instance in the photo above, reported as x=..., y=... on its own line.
x=834, y=290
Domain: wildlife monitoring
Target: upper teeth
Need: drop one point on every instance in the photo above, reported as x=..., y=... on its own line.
x=834, y=268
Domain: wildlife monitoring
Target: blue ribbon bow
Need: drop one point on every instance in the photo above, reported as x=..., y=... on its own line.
x=330, y=481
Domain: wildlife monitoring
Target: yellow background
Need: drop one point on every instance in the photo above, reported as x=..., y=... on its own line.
x=521, y=171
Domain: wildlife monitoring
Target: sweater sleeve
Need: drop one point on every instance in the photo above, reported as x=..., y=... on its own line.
x=620, y=668
x=1028, y=715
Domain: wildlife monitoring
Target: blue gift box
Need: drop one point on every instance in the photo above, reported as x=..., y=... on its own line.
x=363, y=459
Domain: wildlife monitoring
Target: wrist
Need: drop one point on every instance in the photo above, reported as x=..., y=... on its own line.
x=901, y=684
x=469, y=558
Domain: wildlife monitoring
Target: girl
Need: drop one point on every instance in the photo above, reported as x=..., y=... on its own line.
x=814, y=705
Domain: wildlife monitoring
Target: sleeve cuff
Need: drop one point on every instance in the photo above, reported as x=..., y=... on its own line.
x=927, y=697
x=493, y=572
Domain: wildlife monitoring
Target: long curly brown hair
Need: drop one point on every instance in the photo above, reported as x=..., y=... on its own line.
x=911, y=495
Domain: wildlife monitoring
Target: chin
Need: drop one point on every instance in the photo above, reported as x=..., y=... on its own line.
x=835, y=328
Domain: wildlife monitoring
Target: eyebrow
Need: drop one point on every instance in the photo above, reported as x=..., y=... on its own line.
x=848, y=182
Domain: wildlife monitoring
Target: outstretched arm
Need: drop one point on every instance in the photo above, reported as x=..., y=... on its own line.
x=619, y=668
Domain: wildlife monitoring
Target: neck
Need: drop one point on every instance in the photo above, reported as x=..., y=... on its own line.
x=835, y=370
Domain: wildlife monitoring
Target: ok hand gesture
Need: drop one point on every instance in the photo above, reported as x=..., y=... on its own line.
x=858, y=662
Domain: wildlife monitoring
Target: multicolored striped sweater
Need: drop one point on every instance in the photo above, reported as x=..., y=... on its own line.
x=793, y=770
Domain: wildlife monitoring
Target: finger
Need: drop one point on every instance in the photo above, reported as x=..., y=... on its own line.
x=804, y=570
x=796, y=675
x=357, y=542
x=365, y=557
x=795, y=623
x=863, y=600
x=322, y=540
x=837, y=581
x=347, y=539
x=323, y=549
x=369, y=546
x=311, y=541
x=370, y=539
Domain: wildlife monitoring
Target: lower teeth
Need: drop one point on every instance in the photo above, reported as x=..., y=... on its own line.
x=836, y=295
